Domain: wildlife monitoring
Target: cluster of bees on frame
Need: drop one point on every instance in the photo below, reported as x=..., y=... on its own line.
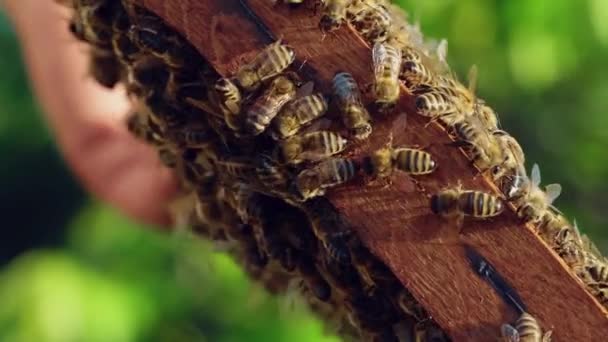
x=255, y=153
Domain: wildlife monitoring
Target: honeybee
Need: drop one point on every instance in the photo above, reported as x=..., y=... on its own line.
x=434, y=104
x=229, y=100
x=355, y=116
x=334, y=13
x=311, y=146
x=297, y=114
x=449, y=100
x=371, y=20
x=382, y=162
x=496, y=152
x=513, y=156
x=567, y=242
x=458, y=203
x=387, y=64
x=267, y=106
x=272, y=61
x=526, y=329
x=534, y=203
x=331, y=172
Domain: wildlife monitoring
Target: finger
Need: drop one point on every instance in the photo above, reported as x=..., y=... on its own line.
x=88, y=120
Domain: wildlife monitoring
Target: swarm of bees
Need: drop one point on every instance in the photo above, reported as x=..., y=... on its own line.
x=256, y=153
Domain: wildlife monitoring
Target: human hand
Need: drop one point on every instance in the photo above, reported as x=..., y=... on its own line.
x=88, y=120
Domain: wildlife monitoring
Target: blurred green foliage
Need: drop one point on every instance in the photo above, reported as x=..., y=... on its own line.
x=75, y=270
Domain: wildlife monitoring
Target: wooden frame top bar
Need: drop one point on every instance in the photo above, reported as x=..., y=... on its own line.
x=424, y=251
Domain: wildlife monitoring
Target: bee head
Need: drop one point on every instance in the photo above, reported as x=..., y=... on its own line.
x=329, y=23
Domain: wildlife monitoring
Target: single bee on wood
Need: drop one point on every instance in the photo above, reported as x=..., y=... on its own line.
x=297, y=114
x=458, y=203
x=387, y=64
x=268, y=105
x=382, y=162
x=312, y=146
x=329, y=173
x=355, y=117
x=272, y=61
x=526, y=329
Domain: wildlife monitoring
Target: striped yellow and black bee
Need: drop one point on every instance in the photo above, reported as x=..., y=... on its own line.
x=387, y=64
x=272, y=61
x=381, y=163
x=526, y=329
x=268, y=104
x=297, y=114
x=354, y=115
x=329, y=173
x=457, y=203
x=312, y=146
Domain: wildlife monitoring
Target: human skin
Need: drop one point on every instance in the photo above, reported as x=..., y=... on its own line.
x=86, y=119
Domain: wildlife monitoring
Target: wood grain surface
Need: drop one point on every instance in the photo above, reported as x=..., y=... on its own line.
x=425, y=252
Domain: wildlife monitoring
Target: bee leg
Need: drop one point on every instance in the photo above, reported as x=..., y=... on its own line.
x=547, y=336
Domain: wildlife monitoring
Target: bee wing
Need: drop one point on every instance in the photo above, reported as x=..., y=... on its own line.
x=535, y=176
x=552, y=191
x=378, y=55
x=473, y=79
x=305, y=89
x=442, y=51
x=509, y=333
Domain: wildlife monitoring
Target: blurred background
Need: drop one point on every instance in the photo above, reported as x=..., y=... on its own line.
x=73, y=269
